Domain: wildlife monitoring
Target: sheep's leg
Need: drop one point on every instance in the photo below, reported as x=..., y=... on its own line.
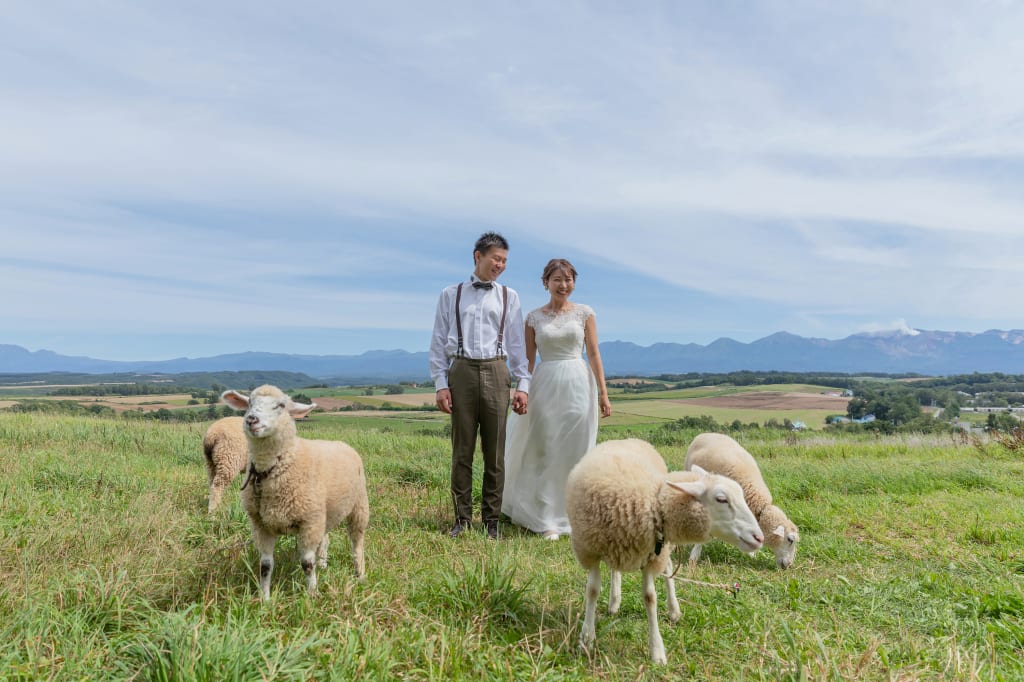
x=321, y=551
x=215, y=494
x=356, y=527
x=671, y=603
x=587, y=634
x=654, y=642
x=615, y=593
x=219, y=482
x=221, y=473
x=695, y=553
x=358, y=560
x=308, y=541
x=264, y=542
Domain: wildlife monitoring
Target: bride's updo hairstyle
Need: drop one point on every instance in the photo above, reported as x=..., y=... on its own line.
x=554, y=265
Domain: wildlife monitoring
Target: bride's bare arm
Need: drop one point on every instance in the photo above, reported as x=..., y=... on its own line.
x=594, y=357
x=531, y=347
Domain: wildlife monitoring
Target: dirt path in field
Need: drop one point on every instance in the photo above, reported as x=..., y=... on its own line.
x=772, y=400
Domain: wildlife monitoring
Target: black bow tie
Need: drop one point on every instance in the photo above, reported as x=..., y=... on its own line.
x=483, y=285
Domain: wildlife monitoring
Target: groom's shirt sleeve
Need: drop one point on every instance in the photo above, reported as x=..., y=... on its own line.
x=439, y=361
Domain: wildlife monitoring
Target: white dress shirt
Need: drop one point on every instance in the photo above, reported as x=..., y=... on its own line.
x=481, y=318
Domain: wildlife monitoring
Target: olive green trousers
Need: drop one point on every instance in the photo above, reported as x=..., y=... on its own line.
x=480, y=399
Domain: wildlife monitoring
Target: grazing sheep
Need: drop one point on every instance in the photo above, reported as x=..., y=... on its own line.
x=227, y=455
x=297, y=486
x=627, y=510
x=720, y=454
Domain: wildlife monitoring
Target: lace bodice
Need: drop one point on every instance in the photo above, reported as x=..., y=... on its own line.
x=560, y=336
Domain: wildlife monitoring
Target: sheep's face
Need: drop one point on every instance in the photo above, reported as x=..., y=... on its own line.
x=731, y=518
x=783, y=541
x=265, y=409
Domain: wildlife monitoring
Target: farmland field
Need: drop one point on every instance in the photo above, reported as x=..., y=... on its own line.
x=796, y=402
x=807, y=404
x=911, y=567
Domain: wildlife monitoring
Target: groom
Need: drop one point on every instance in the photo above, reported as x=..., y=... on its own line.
x=478, y=332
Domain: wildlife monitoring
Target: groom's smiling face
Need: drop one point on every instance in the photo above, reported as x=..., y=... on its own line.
x=490, y=264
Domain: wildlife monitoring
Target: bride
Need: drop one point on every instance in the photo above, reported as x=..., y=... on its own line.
x=566, y=394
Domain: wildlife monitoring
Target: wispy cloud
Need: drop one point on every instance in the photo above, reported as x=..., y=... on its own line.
x=814, y=167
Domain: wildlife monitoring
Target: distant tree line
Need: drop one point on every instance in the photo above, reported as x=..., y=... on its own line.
x=116, y=390
x=70, y=407
x=62, y=407
x=183, y=381
x=188, y=415
x=680, y=432
x=897, y=405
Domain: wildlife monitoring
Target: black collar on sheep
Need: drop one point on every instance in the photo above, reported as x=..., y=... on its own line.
x=659, y=533
x=256, y=477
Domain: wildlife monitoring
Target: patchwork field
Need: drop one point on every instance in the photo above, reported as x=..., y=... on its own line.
x=807, y=404
x=774, y=400
x=796, y=402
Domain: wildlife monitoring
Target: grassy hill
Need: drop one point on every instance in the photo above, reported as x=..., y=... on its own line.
x=911, y=568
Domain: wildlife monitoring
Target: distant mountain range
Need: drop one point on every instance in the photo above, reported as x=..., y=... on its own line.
x=935, y=353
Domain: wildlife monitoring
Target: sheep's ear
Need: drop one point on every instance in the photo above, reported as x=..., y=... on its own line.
x=697, y=469
x=780, y=531
x=235, y=400
x=300, y=410
x=693, y=488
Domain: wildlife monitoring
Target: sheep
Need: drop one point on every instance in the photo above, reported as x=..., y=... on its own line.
x=720, y=454
x=227, y=455
x=627, y=510
x=296, y=486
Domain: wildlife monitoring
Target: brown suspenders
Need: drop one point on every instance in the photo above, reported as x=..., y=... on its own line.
x=458, y=318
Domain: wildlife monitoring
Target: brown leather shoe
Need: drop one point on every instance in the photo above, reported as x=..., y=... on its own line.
x=492, y=530
x=461, y=525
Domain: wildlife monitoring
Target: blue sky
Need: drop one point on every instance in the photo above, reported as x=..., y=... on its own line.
x=194, y=178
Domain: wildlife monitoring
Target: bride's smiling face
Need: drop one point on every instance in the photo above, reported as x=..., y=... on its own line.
x=560, y=284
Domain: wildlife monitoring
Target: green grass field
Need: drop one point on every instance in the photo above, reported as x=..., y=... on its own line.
x=911, y=568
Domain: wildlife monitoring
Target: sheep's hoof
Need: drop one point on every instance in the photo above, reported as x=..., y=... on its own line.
x=659, y=659
x=674, y=617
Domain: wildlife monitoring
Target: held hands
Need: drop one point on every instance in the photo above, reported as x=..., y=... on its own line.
x=519, y=401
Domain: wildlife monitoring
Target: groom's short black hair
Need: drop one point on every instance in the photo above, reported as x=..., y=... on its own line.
x=489, y=240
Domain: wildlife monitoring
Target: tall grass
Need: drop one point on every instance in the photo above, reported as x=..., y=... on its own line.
x=911, y=567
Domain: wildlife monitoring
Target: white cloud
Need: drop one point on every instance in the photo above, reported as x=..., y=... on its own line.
x=831, y=164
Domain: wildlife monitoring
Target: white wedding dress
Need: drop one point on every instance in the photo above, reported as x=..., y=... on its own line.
x=558, y=428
